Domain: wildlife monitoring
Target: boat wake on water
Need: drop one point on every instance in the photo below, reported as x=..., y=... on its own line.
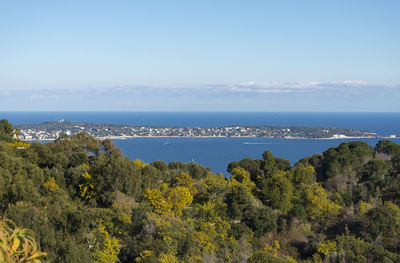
x=262, y=143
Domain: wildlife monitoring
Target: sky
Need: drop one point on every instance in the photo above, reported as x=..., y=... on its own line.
x=204, y=55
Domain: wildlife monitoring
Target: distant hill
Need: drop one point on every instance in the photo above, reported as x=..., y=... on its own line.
x=52, y=130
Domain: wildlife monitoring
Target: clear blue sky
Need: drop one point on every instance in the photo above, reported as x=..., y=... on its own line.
x=200, y=55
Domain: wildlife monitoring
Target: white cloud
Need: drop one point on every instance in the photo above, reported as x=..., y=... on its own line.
x=252, y=95
x=248, y=87
x=43, y=97
x=310, y=86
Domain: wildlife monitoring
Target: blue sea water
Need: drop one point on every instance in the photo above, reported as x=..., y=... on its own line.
x=217, y=153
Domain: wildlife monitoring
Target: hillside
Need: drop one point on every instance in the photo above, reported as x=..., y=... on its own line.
x=85, y=202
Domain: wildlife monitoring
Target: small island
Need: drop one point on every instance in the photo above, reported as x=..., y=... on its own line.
x=52, y=130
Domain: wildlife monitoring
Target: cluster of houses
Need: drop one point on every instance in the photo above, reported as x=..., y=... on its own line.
x=52, y=130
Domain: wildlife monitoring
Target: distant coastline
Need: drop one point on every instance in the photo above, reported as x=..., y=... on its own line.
x=193, y=137
x=52, y=130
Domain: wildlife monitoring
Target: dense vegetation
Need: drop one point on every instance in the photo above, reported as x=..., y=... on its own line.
x=85, y=202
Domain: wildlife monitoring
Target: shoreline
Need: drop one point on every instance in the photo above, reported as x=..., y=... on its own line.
x=194, y=137
x=48, y=131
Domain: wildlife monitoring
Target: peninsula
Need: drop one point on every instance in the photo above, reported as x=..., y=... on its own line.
x=52, y=130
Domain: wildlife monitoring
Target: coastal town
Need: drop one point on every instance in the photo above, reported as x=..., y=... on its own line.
x=53, y=130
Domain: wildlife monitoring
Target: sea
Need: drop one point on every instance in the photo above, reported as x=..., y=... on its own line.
x=217, y=153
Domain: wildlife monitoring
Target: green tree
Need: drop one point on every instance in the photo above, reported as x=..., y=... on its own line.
x=268, y=165
x=387, y=147
x=261, y=220
x=106, y=248
x=277, y=192
x=6, y=130
x=317, y=204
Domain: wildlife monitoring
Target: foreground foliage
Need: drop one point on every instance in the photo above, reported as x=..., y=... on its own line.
x=85, y=202
x=17, y=244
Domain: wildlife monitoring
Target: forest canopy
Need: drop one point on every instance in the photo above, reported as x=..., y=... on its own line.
x=80, y=200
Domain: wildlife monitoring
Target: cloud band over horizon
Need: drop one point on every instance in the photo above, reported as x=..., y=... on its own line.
x=245, y=96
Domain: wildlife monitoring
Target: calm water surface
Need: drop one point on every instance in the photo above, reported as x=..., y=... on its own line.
x=217, y=153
